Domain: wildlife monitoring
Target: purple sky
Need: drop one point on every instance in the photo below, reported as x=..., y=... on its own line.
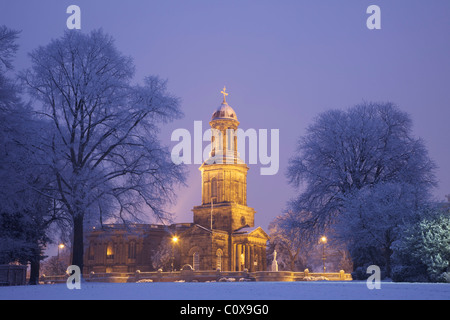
x=283, y=62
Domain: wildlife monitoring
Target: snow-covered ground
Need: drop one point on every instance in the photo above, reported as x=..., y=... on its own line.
x=231, y=291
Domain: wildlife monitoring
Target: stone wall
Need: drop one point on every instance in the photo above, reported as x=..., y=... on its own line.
x=13, y=275
x=204, y=276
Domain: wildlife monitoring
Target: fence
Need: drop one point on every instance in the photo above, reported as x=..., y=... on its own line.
x=13, y=275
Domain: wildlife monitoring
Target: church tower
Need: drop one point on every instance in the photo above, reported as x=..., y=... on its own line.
x=223, y=235
x=224, y=177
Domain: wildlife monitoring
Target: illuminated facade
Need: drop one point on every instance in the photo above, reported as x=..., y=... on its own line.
x=223, y=233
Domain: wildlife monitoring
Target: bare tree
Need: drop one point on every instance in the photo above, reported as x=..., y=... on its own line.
x=162, y=256
x=104, y=150
x=290, y=243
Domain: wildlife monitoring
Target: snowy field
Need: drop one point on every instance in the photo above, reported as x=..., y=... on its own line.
x=354, y=290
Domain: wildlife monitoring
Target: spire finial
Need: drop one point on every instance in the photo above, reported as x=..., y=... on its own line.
x=224, y=94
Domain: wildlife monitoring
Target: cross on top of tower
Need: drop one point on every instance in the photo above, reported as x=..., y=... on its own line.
x=224, y=94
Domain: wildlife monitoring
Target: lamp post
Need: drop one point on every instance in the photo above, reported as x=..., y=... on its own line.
x=174, y=242
x=323, y=240
x=60, y=246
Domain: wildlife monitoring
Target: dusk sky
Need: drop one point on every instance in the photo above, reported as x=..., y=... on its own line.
x=283, y=62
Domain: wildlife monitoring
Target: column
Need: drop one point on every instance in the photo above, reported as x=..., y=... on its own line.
x=252, y=258
x=263, y=259
x=230, y=256
x=247, y=257
x=260, y=266
x=224, y=146
x=235, y=147
x=238, y=257
x=243, y=257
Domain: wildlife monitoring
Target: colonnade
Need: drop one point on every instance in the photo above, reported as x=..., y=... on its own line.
x=248, y=256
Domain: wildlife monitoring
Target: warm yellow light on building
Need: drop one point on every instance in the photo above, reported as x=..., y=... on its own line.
x=109, y=250
x=61, y=246
x=175, y=239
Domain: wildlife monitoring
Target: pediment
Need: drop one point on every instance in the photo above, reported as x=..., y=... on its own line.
x=257, y=232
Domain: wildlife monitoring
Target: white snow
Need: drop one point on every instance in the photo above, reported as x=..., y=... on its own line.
x=354, y=290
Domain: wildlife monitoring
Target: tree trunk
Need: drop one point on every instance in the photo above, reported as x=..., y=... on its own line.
x=34, y=270
x=387, y=260
x=78, y=242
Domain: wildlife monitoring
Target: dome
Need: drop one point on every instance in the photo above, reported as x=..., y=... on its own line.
x=224, y=112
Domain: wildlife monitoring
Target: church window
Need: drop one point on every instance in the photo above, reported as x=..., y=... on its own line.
x=110, y=251
x=132, y=250
x=219, y=260
x=214, y=188
x=230, y=139
x=214, y=218
x=241, y=193
x=243, y=222
x=91, y=252
x=196, y=261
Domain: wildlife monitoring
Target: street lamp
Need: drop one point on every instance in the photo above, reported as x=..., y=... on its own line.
x=174, y=242
x=323, y=240
x=60, y=246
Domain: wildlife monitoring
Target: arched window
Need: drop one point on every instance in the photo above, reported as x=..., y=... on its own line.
x=214, y=188
x=132, y=249
x=219, y=260
x=91, y=252
x=196, y=261
x=213, y=145
x=110, y=251
x=230, y=139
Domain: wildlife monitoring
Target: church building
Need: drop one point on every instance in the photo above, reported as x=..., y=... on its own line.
x=223, y=233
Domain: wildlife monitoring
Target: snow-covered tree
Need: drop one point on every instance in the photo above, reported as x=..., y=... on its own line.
x=24, y=209
x=424, y=248
x=9, y=95
x=8, y=47
x=348, y=158
x=162, y=255
x=372, y=221
x=291, y=244
x=297, y=250
x=344, y=151
x=103, y=149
